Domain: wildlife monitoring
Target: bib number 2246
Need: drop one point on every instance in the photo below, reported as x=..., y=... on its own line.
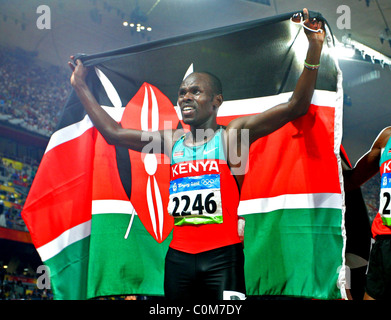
x=196, y=203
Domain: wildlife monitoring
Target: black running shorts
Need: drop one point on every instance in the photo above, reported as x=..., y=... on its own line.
x=378, y=281
x=211, y=275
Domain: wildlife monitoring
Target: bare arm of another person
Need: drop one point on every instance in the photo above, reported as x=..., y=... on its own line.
x=368, y=165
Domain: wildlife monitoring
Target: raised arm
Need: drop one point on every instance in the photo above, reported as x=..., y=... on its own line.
x=267, y=122
x=112, y=131
x=368, y=165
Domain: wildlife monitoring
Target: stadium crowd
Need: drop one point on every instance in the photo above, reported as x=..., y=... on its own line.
x=16, y=178
x=31, y=97
x=15, y=287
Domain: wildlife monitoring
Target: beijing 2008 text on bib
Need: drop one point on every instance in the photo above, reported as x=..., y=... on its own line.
x=195, y=185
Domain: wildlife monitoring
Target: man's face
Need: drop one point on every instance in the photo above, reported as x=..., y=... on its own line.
x=196, y=100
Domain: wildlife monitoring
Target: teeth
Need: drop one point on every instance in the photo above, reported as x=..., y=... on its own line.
x=187, y=108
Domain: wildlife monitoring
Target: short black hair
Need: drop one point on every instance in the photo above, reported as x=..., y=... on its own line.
x=215, y=82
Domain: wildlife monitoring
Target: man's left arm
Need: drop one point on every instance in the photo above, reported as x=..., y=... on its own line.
x=269, y=121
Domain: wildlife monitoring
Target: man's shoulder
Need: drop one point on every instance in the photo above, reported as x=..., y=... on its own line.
x=176, y=134
x=384, y=137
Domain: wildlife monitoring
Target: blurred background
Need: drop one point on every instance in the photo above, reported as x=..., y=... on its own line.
x=36, y=40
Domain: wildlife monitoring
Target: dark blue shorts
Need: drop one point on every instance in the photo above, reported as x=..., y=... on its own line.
x=211, y=275
x=378, y=280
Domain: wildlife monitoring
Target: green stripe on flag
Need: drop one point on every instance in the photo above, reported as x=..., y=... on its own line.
x=68, y=271
x=294, y=252
x=124, y=266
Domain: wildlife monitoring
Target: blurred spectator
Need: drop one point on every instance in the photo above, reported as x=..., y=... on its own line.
x=15, y=182
x=370, y=192
x=2, y=215
x=17, y=287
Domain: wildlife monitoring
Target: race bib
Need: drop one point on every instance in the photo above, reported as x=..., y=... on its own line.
x=385, y=198
x=196, y=200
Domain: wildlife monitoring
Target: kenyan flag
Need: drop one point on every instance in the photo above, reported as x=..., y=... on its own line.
x=97, y=213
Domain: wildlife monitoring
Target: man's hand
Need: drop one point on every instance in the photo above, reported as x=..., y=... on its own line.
x=313, y=24
x=79, y=72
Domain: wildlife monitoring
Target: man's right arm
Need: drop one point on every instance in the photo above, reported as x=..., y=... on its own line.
x=368, y=165
x=111, y=130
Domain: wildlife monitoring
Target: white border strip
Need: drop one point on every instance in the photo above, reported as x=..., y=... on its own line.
x=290, y=201
x=338, y=133
x=68, y=237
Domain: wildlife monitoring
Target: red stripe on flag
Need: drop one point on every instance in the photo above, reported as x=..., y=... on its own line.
x=60, y=197
x=298, y=158
x=106, y=180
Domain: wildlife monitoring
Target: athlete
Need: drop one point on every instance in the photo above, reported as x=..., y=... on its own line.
x=205, y=258
x=377, y=159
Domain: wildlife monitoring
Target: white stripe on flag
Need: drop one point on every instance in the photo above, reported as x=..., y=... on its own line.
x=112, y=206
x=83, y=230
x=228, y=108
x=109, y=88
x=256, y=105
x=290, y=201
x=77, y=129
x=69, y=133
x=68, y=237
x=325, y=98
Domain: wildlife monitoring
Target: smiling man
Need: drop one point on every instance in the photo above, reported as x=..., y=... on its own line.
x=205, y=258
